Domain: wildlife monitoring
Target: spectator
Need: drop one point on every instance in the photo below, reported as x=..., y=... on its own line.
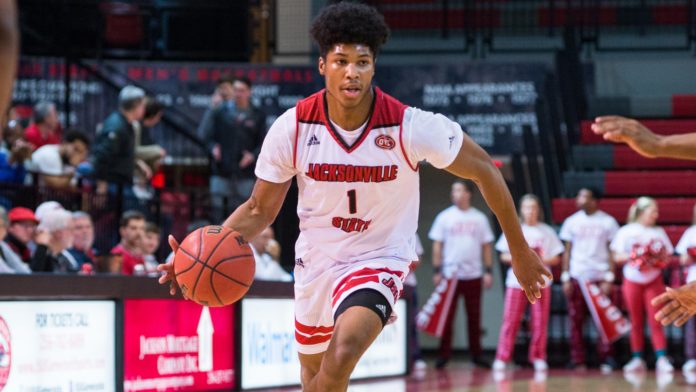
x=235, y=132
x=56, y=164
x=223, y=93
x=22, y=229
x=59, y=224
x=462, y=250
x=114, y=147
x=643, y=280
x=83, y=234
x=587, y=234
x=132, y=231
x=148, y=154
x=14, y=150
x=543, y=239
x=10, y=263
x=150, y=245
x=45, y=129
x=266, y=267
x=45, y=207
x=686, y=248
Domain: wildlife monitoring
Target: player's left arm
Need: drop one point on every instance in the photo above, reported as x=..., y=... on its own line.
x=473, y=163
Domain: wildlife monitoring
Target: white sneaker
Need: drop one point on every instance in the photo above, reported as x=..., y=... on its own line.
x=499, y=365
x=635, y=365
x=663, y=366
x=540, y=365
x=420, y=365
x=689, y=366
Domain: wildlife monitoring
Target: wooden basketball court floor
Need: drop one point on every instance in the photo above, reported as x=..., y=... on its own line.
x=460, y=377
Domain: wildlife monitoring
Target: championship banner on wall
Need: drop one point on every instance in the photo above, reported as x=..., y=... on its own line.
x=432, y=318
x=57, y=346
x=269, y=352
x=177, y=345
x=609, y=320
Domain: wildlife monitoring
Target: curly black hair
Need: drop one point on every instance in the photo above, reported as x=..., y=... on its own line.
x=349, y=23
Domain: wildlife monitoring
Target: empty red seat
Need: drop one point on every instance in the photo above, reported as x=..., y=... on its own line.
x=657, y=183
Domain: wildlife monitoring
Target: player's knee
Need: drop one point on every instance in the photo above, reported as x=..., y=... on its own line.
x=345, y=356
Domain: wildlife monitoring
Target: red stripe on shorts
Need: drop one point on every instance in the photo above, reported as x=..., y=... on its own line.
x=364, y=271
x=352, y=284
x=309, y=340
x=309, y=330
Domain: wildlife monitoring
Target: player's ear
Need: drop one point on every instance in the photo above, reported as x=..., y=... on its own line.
x=321, y=65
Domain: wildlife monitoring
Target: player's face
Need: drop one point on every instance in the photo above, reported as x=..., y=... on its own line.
x=649, y=215
x=348, y=70
x=460, y=196
x=530, y=212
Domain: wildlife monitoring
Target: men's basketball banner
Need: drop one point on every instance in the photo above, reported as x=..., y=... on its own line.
x=609, y=320
x=432, y=318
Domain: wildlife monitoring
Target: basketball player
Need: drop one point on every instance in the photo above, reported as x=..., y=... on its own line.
x=355, y=152
x=644, y=141
x=9, y=47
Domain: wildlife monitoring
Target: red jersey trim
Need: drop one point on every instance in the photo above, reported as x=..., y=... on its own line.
x=401, y=142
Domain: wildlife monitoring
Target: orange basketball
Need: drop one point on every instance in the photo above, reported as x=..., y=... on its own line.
x=214, y=266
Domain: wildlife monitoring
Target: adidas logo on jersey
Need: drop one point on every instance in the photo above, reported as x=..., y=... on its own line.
x=313, y=141
x=382, y=308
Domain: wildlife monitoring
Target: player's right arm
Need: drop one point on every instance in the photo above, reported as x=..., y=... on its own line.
x=643, y=140
x=9, y=48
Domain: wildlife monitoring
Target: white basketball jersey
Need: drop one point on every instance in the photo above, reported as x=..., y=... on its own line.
x=356, y=201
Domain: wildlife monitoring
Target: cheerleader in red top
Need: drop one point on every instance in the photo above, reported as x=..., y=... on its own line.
x=644, y=249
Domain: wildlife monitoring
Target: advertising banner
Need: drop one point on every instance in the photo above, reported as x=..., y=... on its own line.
x=177, y=344
x=269, y=353
x=492, y=102
x=57, y=346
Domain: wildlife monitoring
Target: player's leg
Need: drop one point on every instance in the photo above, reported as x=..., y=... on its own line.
x=310, y=364
x=355, y=330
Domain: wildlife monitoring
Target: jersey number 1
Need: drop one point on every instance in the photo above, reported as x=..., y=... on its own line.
x=352, y=203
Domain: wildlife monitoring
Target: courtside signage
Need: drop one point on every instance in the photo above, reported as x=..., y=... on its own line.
x=57, y=346
x=269, y=351
x=177, y=345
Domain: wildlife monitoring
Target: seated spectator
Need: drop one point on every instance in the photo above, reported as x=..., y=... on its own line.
x=83, y=234
x=131, y=229
x=150, y=245
x=59, y=224
x=21, y=232
x=56, y=163
x=10, y=263
x=45, y=129
x=266, y=267
x=45, y=207
x=14, y=150
x=148, y=155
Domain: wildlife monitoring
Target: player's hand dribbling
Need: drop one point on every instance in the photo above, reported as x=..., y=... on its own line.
x=530, y=273
x=167, y=269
